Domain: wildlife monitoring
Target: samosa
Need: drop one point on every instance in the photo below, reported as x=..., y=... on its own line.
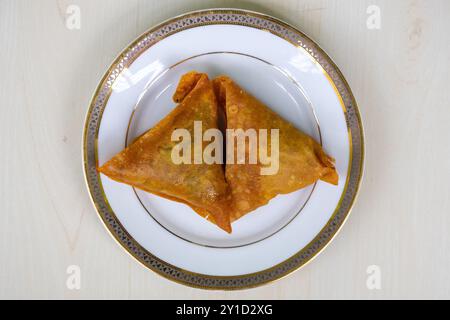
x=301, y=160
x=147, y=163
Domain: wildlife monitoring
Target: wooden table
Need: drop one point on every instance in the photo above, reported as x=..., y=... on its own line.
x=400, y=75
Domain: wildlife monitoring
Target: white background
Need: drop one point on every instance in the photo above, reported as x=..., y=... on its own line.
x=400, y=76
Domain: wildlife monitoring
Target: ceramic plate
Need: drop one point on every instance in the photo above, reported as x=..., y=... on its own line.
x=284, y=69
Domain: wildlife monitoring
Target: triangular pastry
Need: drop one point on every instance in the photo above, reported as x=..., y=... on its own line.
x=301, y=160
x=147, y=163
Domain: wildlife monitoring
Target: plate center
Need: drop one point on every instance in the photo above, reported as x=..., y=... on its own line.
x=270, y=85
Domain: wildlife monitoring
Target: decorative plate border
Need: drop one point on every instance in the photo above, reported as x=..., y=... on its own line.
x=210, y=17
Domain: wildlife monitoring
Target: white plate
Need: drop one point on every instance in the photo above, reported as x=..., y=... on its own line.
x=281, y=67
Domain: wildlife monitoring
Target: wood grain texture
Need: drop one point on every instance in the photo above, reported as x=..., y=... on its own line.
x=399, y=75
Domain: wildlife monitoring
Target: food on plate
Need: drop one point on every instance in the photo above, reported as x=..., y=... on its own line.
x=301, y=160
x=147, y=163
x=257, y=154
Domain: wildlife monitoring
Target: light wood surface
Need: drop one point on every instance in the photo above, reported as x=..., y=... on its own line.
x=399, y=75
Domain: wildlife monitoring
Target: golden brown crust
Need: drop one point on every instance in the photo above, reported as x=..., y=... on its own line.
x=301, y=160
x=147, y=163
x=185, y=85
x=219, y=194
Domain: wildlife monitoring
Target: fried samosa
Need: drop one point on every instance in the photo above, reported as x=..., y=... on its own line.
x=301, y=160
x=147, y=163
